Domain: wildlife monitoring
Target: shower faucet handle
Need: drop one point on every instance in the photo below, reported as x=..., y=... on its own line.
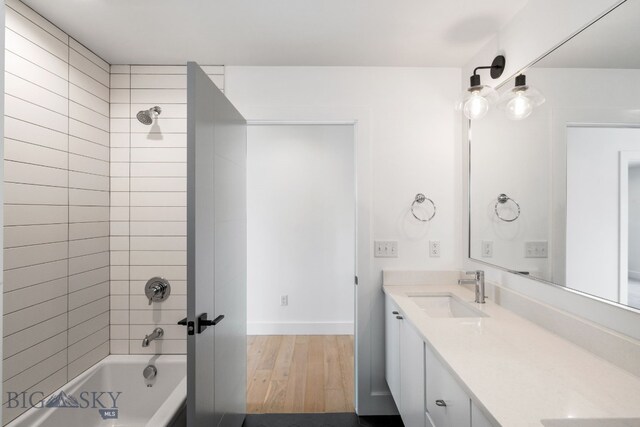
x=157, y=289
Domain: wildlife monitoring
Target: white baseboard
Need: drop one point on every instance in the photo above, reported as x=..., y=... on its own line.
x=635, y=275
x=298, y=328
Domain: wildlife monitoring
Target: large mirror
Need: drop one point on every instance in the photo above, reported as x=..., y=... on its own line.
x=556, y=195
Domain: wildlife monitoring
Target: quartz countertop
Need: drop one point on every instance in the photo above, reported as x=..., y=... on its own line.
x=515, y=370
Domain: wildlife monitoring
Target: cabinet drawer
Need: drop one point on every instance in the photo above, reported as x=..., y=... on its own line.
x=447, y=403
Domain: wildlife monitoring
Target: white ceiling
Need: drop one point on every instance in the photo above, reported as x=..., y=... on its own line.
x=282, y=32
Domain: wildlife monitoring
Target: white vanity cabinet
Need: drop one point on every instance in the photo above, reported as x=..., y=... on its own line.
x=425, y=392
x=447, y=403
x=405, y=366
x=478, y=419
x=392, y=349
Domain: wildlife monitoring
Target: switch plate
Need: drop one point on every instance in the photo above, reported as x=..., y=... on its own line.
x=487, y=249
x=284, y=300
x=386, y=249
x=434, y=248
x=536, y=249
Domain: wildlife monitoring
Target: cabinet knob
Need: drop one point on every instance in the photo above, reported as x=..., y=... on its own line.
x=441, y=403
x=394, y=312
x=399, y=317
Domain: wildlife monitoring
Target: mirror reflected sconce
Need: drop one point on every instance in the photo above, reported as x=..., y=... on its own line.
x=502, y=200
x=519, y=102
x=477, y=99
x=419, y=199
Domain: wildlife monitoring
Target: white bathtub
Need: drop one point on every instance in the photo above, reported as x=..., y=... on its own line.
x=161, y=404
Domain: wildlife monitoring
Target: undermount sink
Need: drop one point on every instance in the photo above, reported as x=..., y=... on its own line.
x=445, y=305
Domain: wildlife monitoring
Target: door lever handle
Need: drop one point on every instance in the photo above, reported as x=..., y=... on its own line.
x=189, y=325
x=203, y=322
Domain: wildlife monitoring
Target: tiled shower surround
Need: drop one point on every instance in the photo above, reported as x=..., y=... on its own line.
x=56, y=294
x=148, y=204
x=95, y=205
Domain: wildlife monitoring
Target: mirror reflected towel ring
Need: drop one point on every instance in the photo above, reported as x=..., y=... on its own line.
x=421, y=198
x=502, y=199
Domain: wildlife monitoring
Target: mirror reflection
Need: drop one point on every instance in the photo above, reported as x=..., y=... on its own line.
x=555, y=178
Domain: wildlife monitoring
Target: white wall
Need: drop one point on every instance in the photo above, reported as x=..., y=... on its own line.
x=540, y=26
x=407, y=125
x=593, y=191
x=300, y=229
x=634, y=222
x=511, y=157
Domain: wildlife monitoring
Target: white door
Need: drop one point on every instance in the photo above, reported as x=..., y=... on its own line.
x=216, y=255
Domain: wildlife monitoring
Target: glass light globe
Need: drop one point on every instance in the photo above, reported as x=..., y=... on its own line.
x=520, y=101
x=519, y=107
x=476, y=107
x=476, y=101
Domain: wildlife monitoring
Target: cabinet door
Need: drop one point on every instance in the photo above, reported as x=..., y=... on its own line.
x=392, y=349
x=412, y=407
x=448, y=405
x=478, y=419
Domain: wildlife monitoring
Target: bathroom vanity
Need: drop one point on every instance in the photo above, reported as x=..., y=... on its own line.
x=453, y=363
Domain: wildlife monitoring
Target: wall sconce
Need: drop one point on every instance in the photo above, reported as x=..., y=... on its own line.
x=478, y=98
x=520, y=101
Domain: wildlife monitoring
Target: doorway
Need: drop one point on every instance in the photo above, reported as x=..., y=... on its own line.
x=301, y=257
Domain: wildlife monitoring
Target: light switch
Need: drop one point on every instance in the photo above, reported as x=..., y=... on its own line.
x=536, y=249
x=386, y=249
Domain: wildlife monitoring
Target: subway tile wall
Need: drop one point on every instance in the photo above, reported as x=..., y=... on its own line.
x=56, y=245
x=148, y=204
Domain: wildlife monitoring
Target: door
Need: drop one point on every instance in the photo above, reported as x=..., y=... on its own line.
x=216, y=255
x=412, y=406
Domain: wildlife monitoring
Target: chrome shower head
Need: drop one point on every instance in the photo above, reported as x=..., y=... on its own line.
x=146, y=116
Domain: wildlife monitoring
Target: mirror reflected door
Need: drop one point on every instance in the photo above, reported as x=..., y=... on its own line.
x=630, y=226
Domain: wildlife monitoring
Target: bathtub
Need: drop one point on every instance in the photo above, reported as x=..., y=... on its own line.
x=152, y=403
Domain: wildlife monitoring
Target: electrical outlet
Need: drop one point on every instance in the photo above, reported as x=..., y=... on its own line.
x=284, y=300
x=434, y=248
x=386, y=249
x=536, y=249
x=487, y=249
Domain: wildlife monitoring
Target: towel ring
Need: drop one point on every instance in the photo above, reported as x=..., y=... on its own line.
x=502, y=199
x=421, y=198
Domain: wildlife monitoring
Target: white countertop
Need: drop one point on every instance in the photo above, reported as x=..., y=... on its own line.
x=519, y=372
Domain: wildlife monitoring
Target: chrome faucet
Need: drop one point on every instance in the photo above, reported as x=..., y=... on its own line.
x=157, y=333
x=478, y=280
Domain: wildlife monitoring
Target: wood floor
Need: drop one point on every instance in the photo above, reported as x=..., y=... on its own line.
x=296, y=374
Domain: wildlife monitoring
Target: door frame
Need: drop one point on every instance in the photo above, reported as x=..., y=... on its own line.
x=368, y=400
x=353, y=123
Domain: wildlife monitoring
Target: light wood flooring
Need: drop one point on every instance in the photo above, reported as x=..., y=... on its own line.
x=300, y=373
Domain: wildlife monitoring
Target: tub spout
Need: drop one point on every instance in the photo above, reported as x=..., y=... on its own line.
x=157, y=333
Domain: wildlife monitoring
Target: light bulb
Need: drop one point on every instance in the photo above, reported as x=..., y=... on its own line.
x=476, y=106
x=519, y=107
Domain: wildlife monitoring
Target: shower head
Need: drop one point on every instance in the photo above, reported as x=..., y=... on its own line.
x=146, y=116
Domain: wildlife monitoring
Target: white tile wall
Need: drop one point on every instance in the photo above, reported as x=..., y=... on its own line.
x=56, y=246
x=148, y=204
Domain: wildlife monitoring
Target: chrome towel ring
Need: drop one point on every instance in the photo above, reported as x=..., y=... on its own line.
x=421, y=198
x=502, y=199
